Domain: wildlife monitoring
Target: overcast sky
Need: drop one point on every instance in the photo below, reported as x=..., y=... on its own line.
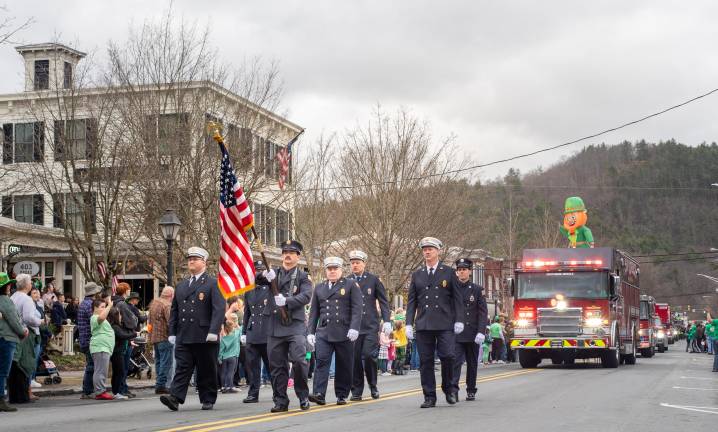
x=506, y=77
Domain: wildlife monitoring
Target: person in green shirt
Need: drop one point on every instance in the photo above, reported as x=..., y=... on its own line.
x=497, y=340
x=102, y=343
x=714, y=339
x=12, y=330
x=229, y=354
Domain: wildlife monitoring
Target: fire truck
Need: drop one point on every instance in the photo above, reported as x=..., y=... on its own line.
x=646, y=331
x=574, y=304
x=663, y=310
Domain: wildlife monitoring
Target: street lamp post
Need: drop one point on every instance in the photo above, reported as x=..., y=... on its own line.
x=169, y=225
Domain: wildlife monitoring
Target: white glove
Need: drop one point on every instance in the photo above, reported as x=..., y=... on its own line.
x=269, y=275
x=280, y=300
x=311, y=339
x=172, y=339
x=243, y=339
x=387, y=328
x=479, y=339
x=458, y=327
x=211, y=337
x=353, y=335
x=409, y=332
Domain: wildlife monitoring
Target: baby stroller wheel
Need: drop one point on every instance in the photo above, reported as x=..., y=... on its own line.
x=56, y=380
x=47, y=381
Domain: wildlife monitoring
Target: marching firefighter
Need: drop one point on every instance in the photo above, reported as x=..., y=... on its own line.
x=254, y=330
x=435, y=308
x=334, y=322
x=287, y=341
x=475, y=319
x=196, y=317
x=366, y=348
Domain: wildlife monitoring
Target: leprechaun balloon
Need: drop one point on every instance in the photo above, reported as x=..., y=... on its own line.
x=574, y=226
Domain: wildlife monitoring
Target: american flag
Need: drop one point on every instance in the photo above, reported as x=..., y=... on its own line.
x=236, y=268
x=102, y=269
x=284, y=156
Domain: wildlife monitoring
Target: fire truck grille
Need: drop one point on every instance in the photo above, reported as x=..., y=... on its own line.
x=554, y=322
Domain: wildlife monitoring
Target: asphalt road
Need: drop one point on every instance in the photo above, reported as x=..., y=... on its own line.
x=670, y=392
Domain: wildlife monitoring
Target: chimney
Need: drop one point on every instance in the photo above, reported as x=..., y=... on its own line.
x=49, y=66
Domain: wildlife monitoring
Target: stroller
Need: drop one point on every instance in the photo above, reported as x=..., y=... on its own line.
x=47, y=368
x=138, y=361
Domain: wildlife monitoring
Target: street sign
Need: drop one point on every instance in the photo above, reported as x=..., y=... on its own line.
x=13, y=249
x=26, y=267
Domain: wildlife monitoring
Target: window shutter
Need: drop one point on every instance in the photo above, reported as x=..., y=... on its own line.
x=91, y=138
x=38, y=209
x=38, y=141
x=59, y=140
x=7, y=147
x=7, y=206
x=57, y=211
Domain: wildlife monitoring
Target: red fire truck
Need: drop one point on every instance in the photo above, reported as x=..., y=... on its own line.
x=663, y=310
x=646, y=332
x=576, y=303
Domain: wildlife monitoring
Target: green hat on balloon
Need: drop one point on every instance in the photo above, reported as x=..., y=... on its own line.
x=574, y=204
x=5, y=279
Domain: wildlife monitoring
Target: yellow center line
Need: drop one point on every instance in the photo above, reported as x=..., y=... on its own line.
x=241, y=421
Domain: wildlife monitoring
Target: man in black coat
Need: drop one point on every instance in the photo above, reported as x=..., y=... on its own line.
x=287, y=340
x=435, y=308
x=366, y=348
x=196, y=317
x=475, y=319
x=254, y=330
x=334, y=322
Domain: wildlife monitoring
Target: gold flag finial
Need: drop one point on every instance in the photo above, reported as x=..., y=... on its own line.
x=215, y=128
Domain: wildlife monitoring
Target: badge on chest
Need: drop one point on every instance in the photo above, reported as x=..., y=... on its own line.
x=342, y=291
x=201, y=296
x=444, y=283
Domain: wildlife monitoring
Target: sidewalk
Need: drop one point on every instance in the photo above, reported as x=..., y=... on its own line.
x=72, y=384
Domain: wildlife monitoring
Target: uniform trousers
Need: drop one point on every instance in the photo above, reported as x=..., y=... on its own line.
x=440, y=342
x=344, y=352
x=469, y=352
x=281, y=351
x=255, y=355
x=203, y=358
x=366, y=352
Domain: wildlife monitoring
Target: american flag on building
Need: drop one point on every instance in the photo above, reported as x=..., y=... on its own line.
x=284, y=157
x=236, y=268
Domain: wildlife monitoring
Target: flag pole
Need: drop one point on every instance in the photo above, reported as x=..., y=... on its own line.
x=275, y=288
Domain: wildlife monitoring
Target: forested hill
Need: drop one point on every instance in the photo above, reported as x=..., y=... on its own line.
x=644, y=198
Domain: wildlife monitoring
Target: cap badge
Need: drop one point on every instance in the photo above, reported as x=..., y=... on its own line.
x=288, y=242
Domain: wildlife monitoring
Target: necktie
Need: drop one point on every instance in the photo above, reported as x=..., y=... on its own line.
x=431, y=271
x=330, y=286
x=191, y=281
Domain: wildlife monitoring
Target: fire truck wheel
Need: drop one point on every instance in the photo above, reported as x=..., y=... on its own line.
x=529, y=359
x=556, y=360
x=611, y=358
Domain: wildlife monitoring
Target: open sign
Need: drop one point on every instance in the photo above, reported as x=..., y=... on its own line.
x=26, y=267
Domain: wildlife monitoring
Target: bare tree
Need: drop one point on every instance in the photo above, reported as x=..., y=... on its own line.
x=10, y=27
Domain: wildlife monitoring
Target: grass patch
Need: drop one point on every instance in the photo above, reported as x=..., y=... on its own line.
x=74, y=362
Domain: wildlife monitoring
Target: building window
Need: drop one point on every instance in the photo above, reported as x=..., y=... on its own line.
x=67, y=78
x=24, y=208
x=171, y=133
x=283, y=233
x=24, y=142
x=42, y=74
x=71, y=210
x=75, y=139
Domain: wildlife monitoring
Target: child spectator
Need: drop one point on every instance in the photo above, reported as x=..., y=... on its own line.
x=400, y=343
x=384, y=342
x=102, y=343
x=229, y=354
x=58, y=313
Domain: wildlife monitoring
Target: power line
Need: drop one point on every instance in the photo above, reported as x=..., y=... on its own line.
x=523, y=155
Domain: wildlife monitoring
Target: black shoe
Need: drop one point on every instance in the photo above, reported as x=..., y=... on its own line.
x=170, y=402
x=279, y=408
x=318, y=399
x=231, y=390
x=355, y=398
x=162, y=390
x=251, y=399
x=374, y=393
x=429, y=403
x=304, y=404
x=130, y=395
x=206, y=406
x=451, y=398
x=470, y=396
x=341, y=401
x=4, y=407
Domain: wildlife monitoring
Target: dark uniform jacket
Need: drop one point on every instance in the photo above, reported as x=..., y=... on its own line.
x=334, y=311
x=476, y=315
x=298, y=294
x=372, y=290
x=256, y=312
x=434, y=303
x=196, y=310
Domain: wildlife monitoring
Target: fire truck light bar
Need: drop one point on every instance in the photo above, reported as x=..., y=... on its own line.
x=573, y=263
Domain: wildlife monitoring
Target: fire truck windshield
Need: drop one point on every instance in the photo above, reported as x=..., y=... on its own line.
x=569, y=284
x=644, y=310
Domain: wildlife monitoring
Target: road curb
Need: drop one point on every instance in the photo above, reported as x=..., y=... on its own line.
x=77, y=391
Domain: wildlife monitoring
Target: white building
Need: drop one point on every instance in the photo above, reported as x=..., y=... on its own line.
x=33, y=217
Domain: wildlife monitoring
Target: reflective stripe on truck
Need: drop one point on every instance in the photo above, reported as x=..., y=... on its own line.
x=559, y=343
